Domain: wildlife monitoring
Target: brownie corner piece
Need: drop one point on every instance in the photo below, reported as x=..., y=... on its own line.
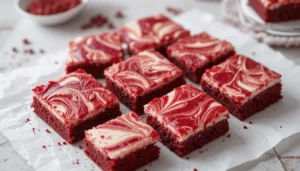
x=73, y=104
x=187, y=119
x=144, y=76
x=110, y=149
x=243, y=86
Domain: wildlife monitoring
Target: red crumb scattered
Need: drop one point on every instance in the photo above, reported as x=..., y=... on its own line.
x=150, y=164
x=65, y=143
x=56, y=62
x=14, y=49
x=33, y=130
x=80, y=147
x=29, y=51
x=145, y=170
x=245, y=127
x=27, y=120
x=26, y=41
x=195, y=169
x=229, y=135
x=250, y=122
x=42, y=51
x=49, y=7
x=102, y=136
x=223, y=140
x=47, y=130
x=59, y=143
x=97, y=21
x=187, y=158
x=44, y=146
x=280, y=126
x=174, y=10
x=111, y=26
x=119, y=14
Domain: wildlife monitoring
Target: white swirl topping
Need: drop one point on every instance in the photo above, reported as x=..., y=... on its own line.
x=121, y=136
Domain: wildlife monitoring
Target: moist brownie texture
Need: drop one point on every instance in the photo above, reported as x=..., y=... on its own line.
x=195, y=54
x=187, y=119
x=139, y=79
x=242, y=85
x=125, y=143
x=73, y=104
x=94, y=53
x=156, y=31
x=276, y=10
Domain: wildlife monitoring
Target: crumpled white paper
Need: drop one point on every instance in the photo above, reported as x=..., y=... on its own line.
x=267, y=129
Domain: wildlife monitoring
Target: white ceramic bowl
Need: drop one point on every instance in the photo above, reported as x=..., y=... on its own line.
x=54, y=19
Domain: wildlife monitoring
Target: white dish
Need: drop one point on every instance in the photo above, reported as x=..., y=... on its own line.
x=289, y=28
x=54, y=19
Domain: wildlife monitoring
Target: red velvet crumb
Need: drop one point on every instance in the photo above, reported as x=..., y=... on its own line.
x=195, y=169
x=59, y=143
x=102, y=136
x=97, y=21
x=42, y=51
x=65, y=143
x=173, y=10
x=29, y=51
x=33, y=130
x=15, y=50
x=49, y=7
x=245, y=127
x=111, y=26
x=280, y=126
x=119, y=14
x=229, y=135
x=187, y=158
x=47, y=130
x=250, y=122
x=26, y=41
x=27, y=120
x=80, y=147
x=44, y=146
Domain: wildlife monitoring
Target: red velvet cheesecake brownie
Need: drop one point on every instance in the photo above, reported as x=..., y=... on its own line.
x=125, y=143
x=195, y=54
x=94, y=53
x=242, y=85
x=139, y=79
x=154, y=32
x=187, y=119
x=276, y=10
x=73, y=104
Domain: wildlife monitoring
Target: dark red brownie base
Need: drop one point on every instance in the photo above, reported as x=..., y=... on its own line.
x=129, y=162
x=194, y=142
x=70, y=133
x=249, y=108
x=195, y=76
x=136, y=104
x=96, y=70
x=284, y=13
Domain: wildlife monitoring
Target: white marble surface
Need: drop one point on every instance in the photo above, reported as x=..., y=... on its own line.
x=285, y=156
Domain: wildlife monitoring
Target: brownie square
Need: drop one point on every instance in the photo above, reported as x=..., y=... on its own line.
x=73, y=104
x=242, y=85
x=195, y=54
x=125, y=143
x=154, y=32
x=94, y=53
x=186, y=119
x=276, y=10
x=139, y=79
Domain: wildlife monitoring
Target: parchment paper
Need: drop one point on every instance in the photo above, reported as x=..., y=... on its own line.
x=267, y=129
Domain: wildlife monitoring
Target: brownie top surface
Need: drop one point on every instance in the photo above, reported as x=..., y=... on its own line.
x=121, y=136
x=241, y=78
x=277, y=3
x=196, y=51
x=74, y=97
x=151, y=32
x=102, y=48
x=142, y=73
x=186, y=110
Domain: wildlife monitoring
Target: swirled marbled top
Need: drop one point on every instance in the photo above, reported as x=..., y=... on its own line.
x=103, y=48
x=151, y=32
x=121, y=136
x=240, y=78
x=186, y=110
x=75, y=97
x=196, y=51
x=272, y=4
x=142, y=73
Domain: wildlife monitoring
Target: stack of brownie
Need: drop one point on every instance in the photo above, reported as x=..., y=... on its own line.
x=152, y=81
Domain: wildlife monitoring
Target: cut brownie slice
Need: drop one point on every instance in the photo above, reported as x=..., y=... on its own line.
x=73, y=104
x=242, y=85
x=276, y=10
x=197, y=53
x=187, y=119
x=125, y=143
x=154, y=32
x=139, y=79
x=94, y=53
